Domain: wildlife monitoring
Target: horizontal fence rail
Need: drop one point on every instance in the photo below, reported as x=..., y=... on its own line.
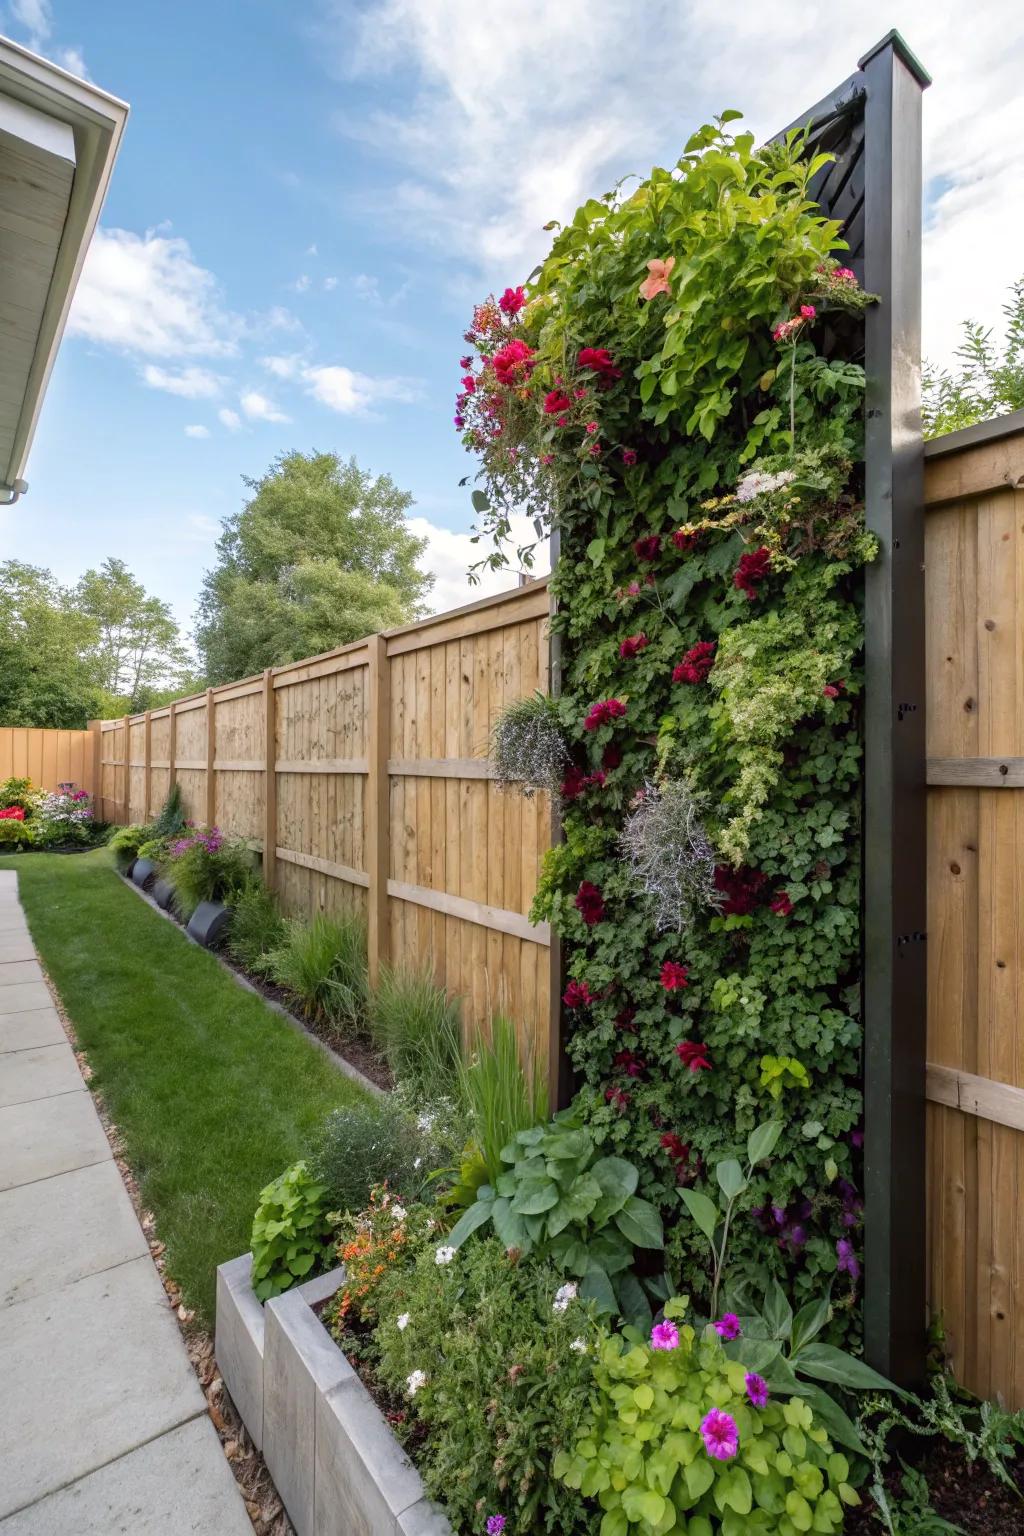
x=362, y=776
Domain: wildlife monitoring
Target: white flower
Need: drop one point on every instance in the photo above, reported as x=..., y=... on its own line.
x=398, y=1213
x=565, y=1293
x=414, y=1381
x=444, y=1255
x=418, y=1163
x=402, y=1323
x=757, y=483
x=425, y=1121
x=579, y=1346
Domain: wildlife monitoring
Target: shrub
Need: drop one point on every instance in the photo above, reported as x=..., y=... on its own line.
x=290, y=1231
x=679, y=1431
x=323, y=963
x=528, y=748
x=363, y=1145
x=371, y=1243
x=203, y=866
x=503, y=1096
x=15, y=833
x=416, y=1025
x=257, y=926
x=64, y=816
x=126, y=842
x=18, y=792
x=171, y=820
x=499, y=1370
x=154, y=848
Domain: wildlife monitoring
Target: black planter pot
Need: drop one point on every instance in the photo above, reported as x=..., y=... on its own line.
x=163, y=894
x=209, y=923
x=142, y=869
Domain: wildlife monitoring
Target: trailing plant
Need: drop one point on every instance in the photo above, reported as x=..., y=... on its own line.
x=204, y=865
x=366, y=1144
x=257, y=926
x=417, y=1026
x=323, y=964
x=291, y=1233
x=680, y=1437
x=495, y=1364
x=528, y=748
x=670, y=854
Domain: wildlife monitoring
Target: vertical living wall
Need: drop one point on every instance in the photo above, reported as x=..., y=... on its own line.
x=707, y=391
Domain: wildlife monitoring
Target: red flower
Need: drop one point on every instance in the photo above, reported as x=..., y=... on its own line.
x=594, y=450
x=13, y=813
x=673, y=975
x=677, y=1149
x=469, y=384
x=512, y=301
x=555, y=403
x=685, y=541
x=631, y=645
x=611, y=757
x=751, y=571
x=598, y=360
x=577, y=995
x=627, y=1062
x=513, y=362
x=589, y=903
x=576, y=782
x=741, y=889
x=603, y=714
x=624, y=1019
x=648, y=549
x=465, y=362
x=781, y=904
x=617, y=1097
x=694, y=1055
x=629, y=455
x=696, y=664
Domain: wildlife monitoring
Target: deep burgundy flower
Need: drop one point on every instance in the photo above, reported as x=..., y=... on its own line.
x=603, y=714
x=611, y=757
x=677, y=1149
x=628, y=1062
x=512, y=301
x=741, y=889
x=696, y=664
x=624, y=1020
x=576, y=782
x=781, y=904
x=556, y=403
x=673, y=975
x=513, y=362
x=632, y=645
x=598, y=360
x=751, y=571
x=589, y=903
x=649, y=548
x=629, y=456
x=694, y=1055
x=617, y=1097
x=685, y=541
x=577, y=995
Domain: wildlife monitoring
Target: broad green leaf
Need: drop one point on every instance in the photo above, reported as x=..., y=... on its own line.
x=699, y=1475
x=597, y=1287
x=468, y=1222
x=825, y=1363
x=509, y=1228
x=634, y=1307
x=762, y=1141
x=809, y=1322
x=533, y=1198
x=615, y=1523
x=480, y=502
x=730, y=1178
x=640, y=1223
x=778, y=1313
x=703, y=1211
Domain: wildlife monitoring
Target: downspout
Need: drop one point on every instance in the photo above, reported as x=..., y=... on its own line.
x=10, y=493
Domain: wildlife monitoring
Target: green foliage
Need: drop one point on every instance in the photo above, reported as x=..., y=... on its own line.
x=503, y=1095
x=733, y=1182
x=15, y=834
x=642, y=1454
x=506, y=1389
x=291, y=1236
x=127, y=842
x=203, y=866
x=560, y=1199
x=48, y=671
x=319, y=555
x=139, y=649
x=416, y=1024
x=323, y=964
x=366, y=1144
x=171, y=820
x=257, y=926
x=988, y=379
x=18, y=791
x=911, y=1513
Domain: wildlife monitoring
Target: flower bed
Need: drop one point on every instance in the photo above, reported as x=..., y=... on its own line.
x=36, y=820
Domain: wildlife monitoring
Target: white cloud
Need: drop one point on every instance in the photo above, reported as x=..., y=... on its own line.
x=73, y=60
x=301, y=283
x=190, y=383
x=146, y=294
x=197, y=430
x=367, y=287
x=311, y=250
x=36, y=17
x=201, y=529
x=258, y=408
x=276, y=318
x=229, y=419
x=353, y=394
x=449, y=555
x=282, y=367
x=330, y=283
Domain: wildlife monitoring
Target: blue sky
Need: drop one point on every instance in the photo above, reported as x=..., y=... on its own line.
x=310, y=197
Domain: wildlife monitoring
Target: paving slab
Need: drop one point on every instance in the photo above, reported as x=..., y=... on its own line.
x=178, y=1485
x=16, y=946
x=26, y=1031
x=12, y=972
x=23, y=996
x=60, y=1230
x=49, y=1136
x=40, y=1074
x=12, y=920
x=90, y=1372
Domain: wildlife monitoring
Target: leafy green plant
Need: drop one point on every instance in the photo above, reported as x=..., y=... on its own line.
x=715, y=1221
x=505, y=1386
x=15, y=834
x=910, y=1512
x=416, y=1025
x=366, y=1144
x=503, y=1093
x=203, y=865
x=18, y=790
x=154, y=848
x=257, y=926
x=681, y=1433
x=988, y=378
x=290, y=1232
x=323, y=964
x=127, y=841
x=559, y=1198
x=171, y=820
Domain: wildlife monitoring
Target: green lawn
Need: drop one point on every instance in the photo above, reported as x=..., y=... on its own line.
x=213, y=1093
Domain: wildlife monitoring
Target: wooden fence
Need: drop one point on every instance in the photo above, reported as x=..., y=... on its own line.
x=363, y=776
x=47, y=757
x=974, y=492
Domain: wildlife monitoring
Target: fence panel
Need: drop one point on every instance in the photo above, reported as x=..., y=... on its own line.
x=975, y=603
x=47, y=757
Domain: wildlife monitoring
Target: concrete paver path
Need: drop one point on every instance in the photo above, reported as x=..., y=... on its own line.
x=103, y=1425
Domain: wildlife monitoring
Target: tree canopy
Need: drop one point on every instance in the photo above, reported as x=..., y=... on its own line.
x=139, y=651
x=49, y=674
x=988, y=379
x=319, y=555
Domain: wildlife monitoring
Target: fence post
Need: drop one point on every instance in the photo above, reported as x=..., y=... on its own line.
x=147, y=757
x=378, y=789
x=211, y=753
x=172, y=746
x=269, y=781
x=127, y=798
x=96, y=729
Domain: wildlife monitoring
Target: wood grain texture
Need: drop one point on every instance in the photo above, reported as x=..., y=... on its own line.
x=50, y=757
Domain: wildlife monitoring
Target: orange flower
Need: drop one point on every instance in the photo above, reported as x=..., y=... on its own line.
x=661, y=271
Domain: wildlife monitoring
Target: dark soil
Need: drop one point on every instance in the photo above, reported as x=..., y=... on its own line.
x=970, y=1497
x=356, y=1343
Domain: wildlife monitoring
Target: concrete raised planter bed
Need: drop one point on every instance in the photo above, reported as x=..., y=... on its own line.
x=333, y=1458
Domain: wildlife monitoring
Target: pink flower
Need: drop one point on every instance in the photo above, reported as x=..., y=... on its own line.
x=846, y=1258
x=589, y=903
x=594, y=450
x=469, y=384
x=808, y=311
x=665, y=1336
x=577, y=995
x=465, y=362
x=661, y=271
x=757, y=1389
x=694, y=1055
x=512, y=301
x=728, y=1326
x=632, y=645
x=592, y=426
x=629, y=455
x=603, y=714
x=673, y=976
x=720, y=1435
x=845, y=275
x=831, y=691
x=547, y=458
x=512, y=363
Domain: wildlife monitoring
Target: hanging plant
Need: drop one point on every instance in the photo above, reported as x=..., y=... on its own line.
x=528, y=748
x=670, y=854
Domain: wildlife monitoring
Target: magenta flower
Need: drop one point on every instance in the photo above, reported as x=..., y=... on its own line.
x=495, y=1525
x=847, y=1259
x=665, y=1336
x=728, y=1326
x=720, y=1435
x=757, y=1389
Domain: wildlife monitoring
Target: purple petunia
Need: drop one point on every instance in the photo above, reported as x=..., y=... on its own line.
x=728, y=1326
x=720, y=1435
x=757, y=1389
x=495, y=1525
x=847, y=1259
x=665, y=1336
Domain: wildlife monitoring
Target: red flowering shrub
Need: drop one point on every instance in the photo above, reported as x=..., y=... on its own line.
x=673, y=976
x=603, y=714
x=751, y=571
x=556, y=403
x=648, y=549
x=632, y=645
x=696, y=664
x=694, y=1055
x=599, y=361
x=589, y=903
x=576, y=782
x=577, y=995
x=512, y=363
x=13, y=813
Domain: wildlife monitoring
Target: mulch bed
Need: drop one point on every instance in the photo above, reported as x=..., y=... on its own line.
x=968, y=1496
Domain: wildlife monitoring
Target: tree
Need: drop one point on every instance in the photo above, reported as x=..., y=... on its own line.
x=49, y=675
x=988, y=382
x=319, y=555
x=139, y=648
